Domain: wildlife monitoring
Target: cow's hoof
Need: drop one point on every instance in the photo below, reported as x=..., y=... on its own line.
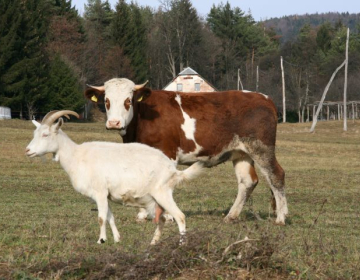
x=168, y=218
x=280, y=223
x=230, y=220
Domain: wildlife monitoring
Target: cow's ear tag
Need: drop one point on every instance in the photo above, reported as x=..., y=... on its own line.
x=94, y=98
x=141, y=98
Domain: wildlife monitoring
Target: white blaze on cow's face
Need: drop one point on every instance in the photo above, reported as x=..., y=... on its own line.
x=118, y=103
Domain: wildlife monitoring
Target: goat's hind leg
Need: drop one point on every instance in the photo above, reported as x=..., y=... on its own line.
x=166, y=201
x=160, y=222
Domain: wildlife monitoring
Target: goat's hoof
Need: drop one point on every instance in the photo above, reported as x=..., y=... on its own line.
x=101, y=241
x=141, y=221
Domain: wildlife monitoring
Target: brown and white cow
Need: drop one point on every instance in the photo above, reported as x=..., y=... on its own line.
x=211, y=127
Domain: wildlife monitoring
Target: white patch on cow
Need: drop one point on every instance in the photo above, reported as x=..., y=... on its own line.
x=189, y=125
x=267, y=97
x=248, y=91
x=189, y=128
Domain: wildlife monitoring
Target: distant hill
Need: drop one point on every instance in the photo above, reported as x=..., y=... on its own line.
x=289, y=26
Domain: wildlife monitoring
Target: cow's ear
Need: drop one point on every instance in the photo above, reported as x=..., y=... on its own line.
x=95, y=94
x=141, y=94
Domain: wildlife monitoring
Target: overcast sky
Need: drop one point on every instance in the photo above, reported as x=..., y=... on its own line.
x=260, y=9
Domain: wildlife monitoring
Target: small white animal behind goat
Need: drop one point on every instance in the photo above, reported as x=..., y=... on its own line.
x=135, y=174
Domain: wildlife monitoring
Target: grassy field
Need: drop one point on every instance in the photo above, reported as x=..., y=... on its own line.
x=48, y=231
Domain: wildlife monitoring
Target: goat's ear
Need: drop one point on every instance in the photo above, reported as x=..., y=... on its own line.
x=95, y=94
x=58, y=125
x=141, y=94
x=37, y=124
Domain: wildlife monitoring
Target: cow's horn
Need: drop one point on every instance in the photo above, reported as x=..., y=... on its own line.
x=52, y=116
x=137, y=87
x=101, y=88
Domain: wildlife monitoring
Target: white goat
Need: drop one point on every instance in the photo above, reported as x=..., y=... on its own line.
x=134, y=174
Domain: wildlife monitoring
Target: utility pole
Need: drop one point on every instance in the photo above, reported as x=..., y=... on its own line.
x=257, y=78
x=283, y=90
x=239, y=81
x=345, y=84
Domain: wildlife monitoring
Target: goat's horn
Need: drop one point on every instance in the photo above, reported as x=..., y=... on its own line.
x=100, y=88
x=137, y=87
x=52, y=116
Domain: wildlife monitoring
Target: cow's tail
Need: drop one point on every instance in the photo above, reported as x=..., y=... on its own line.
x=189, y=173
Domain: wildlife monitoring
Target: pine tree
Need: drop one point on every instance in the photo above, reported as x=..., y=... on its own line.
x=24, y=76
x=129, y=33
x=64, y=91
x=98, y=16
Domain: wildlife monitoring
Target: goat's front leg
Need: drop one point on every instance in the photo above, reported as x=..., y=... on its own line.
x=111, y=220
x=103, y=208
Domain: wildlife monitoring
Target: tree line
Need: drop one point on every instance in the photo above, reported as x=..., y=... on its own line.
x=48, y=52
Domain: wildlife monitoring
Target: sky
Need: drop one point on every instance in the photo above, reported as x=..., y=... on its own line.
x=260, y=9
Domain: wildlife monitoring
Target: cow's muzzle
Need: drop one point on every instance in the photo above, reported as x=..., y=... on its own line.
x=114, y=124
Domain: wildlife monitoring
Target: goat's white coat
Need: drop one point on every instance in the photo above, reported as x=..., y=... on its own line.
x=134, y=174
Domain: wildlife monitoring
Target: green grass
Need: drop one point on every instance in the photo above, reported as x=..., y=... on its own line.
x=48, y=231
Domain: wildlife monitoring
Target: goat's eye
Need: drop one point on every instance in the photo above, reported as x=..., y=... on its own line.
x=45, y=135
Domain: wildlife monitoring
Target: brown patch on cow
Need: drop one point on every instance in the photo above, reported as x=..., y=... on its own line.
x=107, y=103
x=158, y=212
x=127, y=104
x=101, y=221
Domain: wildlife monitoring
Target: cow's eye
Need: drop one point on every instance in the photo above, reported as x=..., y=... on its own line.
x=127, y=103
x=107, y=103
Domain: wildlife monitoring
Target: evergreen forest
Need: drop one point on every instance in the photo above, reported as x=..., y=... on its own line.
x=49, y=52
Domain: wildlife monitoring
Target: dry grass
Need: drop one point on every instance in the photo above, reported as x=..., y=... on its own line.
x=48, y=231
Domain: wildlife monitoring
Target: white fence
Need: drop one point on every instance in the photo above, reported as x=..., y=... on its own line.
x=5, y=113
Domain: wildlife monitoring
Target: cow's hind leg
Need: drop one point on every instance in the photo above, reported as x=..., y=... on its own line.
x=275, y=176
x=247, y=181
x=142, y=215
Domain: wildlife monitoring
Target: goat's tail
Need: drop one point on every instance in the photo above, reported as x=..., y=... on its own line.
x=189, y=173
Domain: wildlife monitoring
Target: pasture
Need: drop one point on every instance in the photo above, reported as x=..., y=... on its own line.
x=48, y=231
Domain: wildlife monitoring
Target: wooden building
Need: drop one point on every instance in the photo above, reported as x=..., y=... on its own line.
x=189, y=80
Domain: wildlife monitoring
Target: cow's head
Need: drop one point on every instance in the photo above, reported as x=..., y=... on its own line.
x=118, y=95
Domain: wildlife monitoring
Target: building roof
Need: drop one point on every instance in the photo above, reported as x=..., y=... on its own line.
x=188, y=71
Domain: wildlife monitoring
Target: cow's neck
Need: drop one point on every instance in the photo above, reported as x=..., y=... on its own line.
x=130, y=135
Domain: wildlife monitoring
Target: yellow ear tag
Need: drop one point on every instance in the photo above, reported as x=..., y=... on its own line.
x=141, y=98
x=94, y=98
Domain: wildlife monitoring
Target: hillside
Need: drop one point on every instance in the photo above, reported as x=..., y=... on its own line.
x=289, y=26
